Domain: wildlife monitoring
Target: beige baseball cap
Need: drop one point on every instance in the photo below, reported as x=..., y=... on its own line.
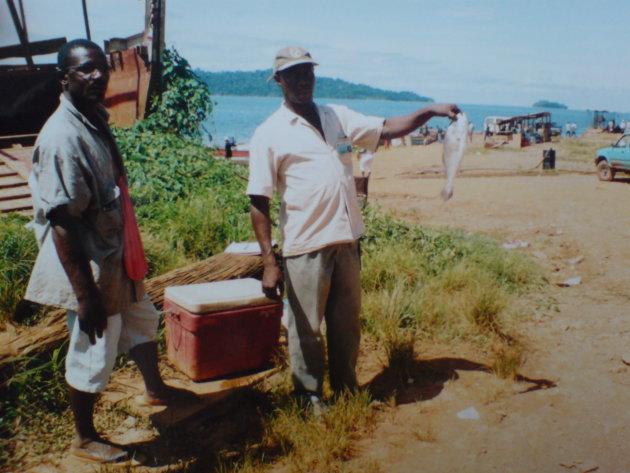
x=291, y=56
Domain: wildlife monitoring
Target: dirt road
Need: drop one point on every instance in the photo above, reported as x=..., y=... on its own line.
x=579, y=338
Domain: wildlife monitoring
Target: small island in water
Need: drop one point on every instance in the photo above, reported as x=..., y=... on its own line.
x=254, y=83
x=549, y=104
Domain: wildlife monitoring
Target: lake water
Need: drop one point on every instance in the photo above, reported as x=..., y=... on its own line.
x=239, y=116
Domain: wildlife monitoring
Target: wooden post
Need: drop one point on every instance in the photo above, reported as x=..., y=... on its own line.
x=21, y=31
x=87, y=21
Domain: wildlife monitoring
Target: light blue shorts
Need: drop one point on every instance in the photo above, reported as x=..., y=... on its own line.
x=88, y=366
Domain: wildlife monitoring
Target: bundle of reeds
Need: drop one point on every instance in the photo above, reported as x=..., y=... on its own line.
x=49, y=333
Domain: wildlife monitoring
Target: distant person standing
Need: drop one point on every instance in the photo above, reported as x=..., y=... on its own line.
x=471, y=131
x=440, y=135
x=304, y=151
x=229, y=143
x=365, y=162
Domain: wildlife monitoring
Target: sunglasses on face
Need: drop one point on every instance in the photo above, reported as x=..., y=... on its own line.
x=89, y=69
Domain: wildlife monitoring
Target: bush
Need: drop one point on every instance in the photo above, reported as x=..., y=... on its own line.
x=18, y=250
x=184, y=103
x=189, y=205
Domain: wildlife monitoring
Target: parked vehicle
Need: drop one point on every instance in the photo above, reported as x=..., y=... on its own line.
x=491, y=125
x=615, y=158
x=556, y=130
x=523, y=129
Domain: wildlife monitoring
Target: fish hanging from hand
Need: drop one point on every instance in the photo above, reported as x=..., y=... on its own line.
x=454, y=148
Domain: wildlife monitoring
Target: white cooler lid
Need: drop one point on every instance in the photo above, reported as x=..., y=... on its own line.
x=219, y=295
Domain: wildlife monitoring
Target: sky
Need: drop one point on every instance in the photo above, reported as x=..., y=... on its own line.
x=494, y=52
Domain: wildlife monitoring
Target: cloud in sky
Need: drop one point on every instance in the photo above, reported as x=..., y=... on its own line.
x=491, y=52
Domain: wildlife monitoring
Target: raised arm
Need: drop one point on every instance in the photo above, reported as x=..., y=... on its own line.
x=402, y=125
x=272, y=281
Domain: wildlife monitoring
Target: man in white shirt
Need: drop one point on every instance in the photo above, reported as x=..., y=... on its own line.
x=304, y=151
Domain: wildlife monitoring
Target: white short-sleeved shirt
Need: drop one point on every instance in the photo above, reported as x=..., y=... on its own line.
x=73, y=165
x=313, y=176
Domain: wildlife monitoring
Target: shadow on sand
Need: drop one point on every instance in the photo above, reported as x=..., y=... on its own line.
x=228, y=429
x=426, y=379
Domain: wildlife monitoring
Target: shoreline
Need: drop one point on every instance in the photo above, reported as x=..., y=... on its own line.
x=238, y=116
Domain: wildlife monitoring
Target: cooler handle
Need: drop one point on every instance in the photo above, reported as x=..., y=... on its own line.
x=175, y=315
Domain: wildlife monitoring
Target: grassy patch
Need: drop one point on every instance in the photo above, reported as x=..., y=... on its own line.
x=585, y=148
x=18, y=250
x=579, y=150
x=33, y=406
x=441, y=285
x=310, y=444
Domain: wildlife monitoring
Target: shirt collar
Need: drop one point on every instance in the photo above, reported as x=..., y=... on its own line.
x=293, y=117
x=68, y=105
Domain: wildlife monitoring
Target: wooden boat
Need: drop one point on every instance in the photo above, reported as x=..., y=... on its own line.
x=236, y=153
x=29, y=93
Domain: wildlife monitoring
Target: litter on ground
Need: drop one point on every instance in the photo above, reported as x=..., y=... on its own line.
x=510, y=245
x=469, y=413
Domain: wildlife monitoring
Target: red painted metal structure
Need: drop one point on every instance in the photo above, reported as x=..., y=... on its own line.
x=29, y=93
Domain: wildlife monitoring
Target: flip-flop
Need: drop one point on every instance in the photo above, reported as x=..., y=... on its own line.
x=118, y=459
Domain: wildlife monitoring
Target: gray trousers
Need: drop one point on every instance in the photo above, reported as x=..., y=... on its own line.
x=324, y=284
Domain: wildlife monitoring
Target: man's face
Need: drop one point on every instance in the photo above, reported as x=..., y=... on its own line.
x=87, y=76
x=297, y=83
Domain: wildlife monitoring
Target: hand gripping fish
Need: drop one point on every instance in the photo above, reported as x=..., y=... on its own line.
x=454, y=148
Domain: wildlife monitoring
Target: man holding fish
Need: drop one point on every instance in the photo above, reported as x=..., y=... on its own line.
x=304, y=151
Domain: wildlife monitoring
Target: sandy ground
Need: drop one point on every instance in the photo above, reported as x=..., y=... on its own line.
x=580, y=342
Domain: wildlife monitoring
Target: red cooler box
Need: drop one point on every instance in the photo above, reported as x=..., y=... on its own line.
x=220, y=328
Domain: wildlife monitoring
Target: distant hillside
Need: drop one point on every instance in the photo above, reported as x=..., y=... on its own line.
x=255, y=83
x=548, y=104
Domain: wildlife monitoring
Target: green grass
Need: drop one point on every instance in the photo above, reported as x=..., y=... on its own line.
x=197, y=227
x=309, y=444
x=18, y=250
x=34, y=415
x=441, y=285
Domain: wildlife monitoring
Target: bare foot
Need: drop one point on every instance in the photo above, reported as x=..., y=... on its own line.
x=169, y=395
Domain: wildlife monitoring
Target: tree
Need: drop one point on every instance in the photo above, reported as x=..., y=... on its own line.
x=184, y=103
